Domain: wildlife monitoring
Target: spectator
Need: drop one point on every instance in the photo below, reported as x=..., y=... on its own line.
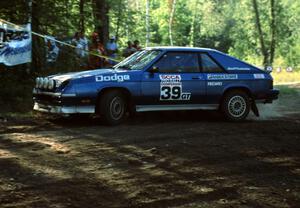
x=81, y=44
x=2, y=37
x=83, y=41
x=136, y=45
x=52, y=52
x=129, y=49
x=97, y=48
x=112, y=49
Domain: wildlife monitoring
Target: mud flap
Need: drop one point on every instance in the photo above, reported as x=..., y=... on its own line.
x=254, y=108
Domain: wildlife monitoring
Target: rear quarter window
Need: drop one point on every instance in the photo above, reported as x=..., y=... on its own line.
x=233, y=64
x=209, y=65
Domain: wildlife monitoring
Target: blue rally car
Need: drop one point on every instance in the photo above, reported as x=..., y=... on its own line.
x=159, y=79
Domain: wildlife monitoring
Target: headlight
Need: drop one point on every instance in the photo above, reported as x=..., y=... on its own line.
x=37, y=82
x=45, y=83
x=57, y=83
x=41, y=82
x=51, y=84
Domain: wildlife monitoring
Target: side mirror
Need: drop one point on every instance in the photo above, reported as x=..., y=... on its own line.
x=153, y=69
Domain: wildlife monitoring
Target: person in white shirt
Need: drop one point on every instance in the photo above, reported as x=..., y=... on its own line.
x=81, y=50
x=112, y=49
x=52, y=51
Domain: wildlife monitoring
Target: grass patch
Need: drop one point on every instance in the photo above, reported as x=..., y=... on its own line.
x=287, y=90
x=285, y=77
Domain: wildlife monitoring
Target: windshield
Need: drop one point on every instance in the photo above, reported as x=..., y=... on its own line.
x=138, y=60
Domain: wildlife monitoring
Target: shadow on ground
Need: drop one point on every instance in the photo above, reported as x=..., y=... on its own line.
x=186, y=159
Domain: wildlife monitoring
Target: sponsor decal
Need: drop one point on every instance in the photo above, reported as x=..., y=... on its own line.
x=169, y=79
x=214, y=84
x=238, y=68
x=258, y=76
x=18, y=50
x=171, y=88
x=221, y=76
x=112, y=78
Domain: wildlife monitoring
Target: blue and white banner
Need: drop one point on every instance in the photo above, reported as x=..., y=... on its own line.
x=16, y=46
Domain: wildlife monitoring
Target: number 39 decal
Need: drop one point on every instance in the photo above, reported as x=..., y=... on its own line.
x=173, y=93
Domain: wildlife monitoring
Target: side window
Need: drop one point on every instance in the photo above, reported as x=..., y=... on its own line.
x=208, y=65
x=176, y=62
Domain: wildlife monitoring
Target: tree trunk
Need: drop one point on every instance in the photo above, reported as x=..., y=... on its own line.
x=273, y=33
x=100, y=10
x=38, y=44
x=81, y=13
x=126, y=25
x=147, y=23
x=260, y=33
x=28, y=68
x=173, y=4
x=119, y=19
x=193, y=25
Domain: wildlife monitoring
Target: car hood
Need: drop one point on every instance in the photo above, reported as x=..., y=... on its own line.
x=75, y=75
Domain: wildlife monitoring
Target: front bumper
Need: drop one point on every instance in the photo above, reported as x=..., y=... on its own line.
x=272, y=95
x=267, y=97
x=58, y=103
x=63, y=109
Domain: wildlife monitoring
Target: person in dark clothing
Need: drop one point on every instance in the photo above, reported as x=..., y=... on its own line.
x=136, y=45
x=96, y=47
x=129, y=49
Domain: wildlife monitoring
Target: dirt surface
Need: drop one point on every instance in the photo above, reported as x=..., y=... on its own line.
x=183, y=159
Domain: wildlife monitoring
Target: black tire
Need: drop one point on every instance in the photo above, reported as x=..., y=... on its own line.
x=236, y=105
x=113, y=107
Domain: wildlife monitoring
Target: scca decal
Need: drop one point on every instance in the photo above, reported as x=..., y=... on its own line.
x=170, y=78
x=114, y=78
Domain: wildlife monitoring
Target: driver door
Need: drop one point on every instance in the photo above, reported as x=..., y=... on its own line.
x=178, y=81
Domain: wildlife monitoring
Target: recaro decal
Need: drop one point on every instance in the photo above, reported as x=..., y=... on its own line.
x=114, y=78
x=214, y=84
x=171, y=88
x=221, y=76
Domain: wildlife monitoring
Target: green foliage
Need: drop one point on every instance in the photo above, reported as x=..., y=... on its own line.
x=225, y=25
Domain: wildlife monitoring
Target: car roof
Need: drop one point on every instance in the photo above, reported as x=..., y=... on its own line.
x=180, y=48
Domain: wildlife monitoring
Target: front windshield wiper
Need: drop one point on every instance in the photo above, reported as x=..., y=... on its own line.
x=126, y=67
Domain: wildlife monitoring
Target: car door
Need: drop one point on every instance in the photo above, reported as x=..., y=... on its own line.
x=178, y=80
x=217, y=78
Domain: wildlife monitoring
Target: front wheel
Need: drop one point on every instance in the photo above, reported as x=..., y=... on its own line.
x=236, y=105
x=113, y=107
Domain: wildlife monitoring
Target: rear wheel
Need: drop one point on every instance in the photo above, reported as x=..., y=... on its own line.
x=113, y=107
x=236, y=105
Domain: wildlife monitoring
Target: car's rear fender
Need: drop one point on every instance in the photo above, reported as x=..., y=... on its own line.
x=244, y=88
